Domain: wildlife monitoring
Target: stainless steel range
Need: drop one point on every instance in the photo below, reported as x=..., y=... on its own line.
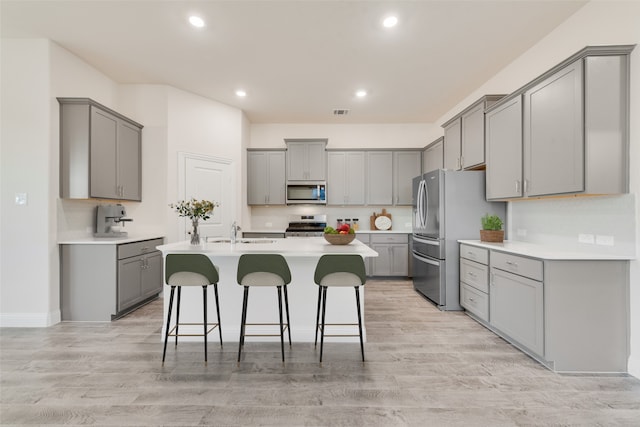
x=307, y=226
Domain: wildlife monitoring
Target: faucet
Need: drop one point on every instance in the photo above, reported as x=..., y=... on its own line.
x=234, y=232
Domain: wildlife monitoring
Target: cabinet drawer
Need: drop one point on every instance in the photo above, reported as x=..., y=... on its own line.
x=127, y=250
x=474, y=301
x=526, y=267
x=474, y=254
x=475, y=274
x=389, y=238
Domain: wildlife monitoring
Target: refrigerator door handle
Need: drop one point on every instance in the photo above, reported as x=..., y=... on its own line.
x=426, y=260
x=426, y=242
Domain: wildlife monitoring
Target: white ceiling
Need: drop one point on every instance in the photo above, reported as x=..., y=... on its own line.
x=299, y=60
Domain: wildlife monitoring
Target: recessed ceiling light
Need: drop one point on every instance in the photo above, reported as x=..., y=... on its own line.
x=361, y=93
x=241, y=93
x=390, y=21
x=196, y=21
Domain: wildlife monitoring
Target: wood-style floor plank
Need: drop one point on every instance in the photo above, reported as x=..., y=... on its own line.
x=424, y=367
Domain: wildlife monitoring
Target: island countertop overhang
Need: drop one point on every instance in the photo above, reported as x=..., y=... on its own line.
x=289, y=247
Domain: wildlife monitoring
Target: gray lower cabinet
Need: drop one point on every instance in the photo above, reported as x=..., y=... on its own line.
x=516, y=302
x=101, y=282
x=406, y=166
x=266, y=177
x=571, y=315
x=393, y=254
x=433, y=156
x=100, y=152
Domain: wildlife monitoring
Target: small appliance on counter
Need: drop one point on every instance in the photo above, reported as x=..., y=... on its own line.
x=307, y=226
x=108, y=217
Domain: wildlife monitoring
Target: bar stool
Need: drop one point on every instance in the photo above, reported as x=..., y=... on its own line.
x=190, y=270
x=264, y=270
x=338, y=271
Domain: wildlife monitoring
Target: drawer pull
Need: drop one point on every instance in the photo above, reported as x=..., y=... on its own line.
x=512, y=264
x=472, y=274
x=471, y=299
x=471, y=254
x=144, y=249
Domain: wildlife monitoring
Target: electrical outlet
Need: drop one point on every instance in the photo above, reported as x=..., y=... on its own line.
x=604, y=240
x=586, y=238
x=268, y=224
x=522, y=232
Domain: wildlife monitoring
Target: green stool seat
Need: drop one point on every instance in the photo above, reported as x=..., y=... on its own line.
x=338, y=271
x=264, y=270
x=190, y=270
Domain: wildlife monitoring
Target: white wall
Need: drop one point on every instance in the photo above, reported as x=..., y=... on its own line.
x=597, y=23
x=26, y=240
x=34, y=73
x=406, y=135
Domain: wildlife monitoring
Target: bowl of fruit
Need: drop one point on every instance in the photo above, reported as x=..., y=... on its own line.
x=343, y=235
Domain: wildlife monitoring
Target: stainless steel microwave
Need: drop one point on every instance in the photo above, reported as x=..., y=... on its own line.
x=307, y=193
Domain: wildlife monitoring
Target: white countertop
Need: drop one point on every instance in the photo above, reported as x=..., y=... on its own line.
x=290, y=247
x=91, y=240
x=545, y=251
x=359, y=231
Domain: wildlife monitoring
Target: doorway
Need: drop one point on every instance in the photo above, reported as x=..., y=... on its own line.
x=208, y=178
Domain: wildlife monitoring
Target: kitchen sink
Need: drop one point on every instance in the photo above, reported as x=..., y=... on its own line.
x=244, y=241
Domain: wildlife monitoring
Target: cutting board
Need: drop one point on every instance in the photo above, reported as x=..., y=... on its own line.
x=375, y=215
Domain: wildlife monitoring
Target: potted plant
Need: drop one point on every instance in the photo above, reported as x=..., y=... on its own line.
x=491, y=229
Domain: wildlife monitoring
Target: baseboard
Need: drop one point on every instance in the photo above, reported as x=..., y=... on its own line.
x=634, y=366
x=29, y=320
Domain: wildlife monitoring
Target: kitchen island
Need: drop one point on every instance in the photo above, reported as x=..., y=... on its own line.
x=302, y=254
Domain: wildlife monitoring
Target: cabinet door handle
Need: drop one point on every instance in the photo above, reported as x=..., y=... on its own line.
x=526, y=186
x=517, y=186
x=461, y=161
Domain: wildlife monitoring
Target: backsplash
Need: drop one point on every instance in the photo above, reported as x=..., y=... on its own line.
x=278, y=217
x=606, y=221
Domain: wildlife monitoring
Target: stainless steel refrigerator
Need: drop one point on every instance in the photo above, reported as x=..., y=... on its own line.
x=447, y=206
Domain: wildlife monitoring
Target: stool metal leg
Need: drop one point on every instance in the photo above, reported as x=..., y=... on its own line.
x=286, y=306
x=178, y=313
x=204, y=305
x=318, y=314
x=324, y=310
x=243, y=320
x=166, y=332
x=359, y=321
x=215, y=290
x=281, y=326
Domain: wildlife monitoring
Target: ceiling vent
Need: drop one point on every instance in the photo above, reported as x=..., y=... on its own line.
x=340, y=112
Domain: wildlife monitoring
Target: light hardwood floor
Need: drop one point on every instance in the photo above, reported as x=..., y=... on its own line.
x=424, y=367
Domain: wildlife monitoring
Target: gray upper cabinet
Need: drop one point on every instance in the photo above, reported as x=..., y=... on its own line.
x=464, y=145
x=504, y=150
x=346, y=177
x=565, y=132
x=553, y=134
x=306, y=159
x=433, y=156
x=266, y=177
x=379, y=178
x=100, y=152
x=452, y=141
x=406, y=166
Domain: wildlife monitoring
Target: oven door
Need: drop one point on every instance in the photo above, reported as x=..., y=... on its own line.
x=429, y=278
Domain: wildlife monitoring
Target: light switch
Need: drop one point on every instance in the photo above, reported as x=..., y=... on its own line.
x=21, y=199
